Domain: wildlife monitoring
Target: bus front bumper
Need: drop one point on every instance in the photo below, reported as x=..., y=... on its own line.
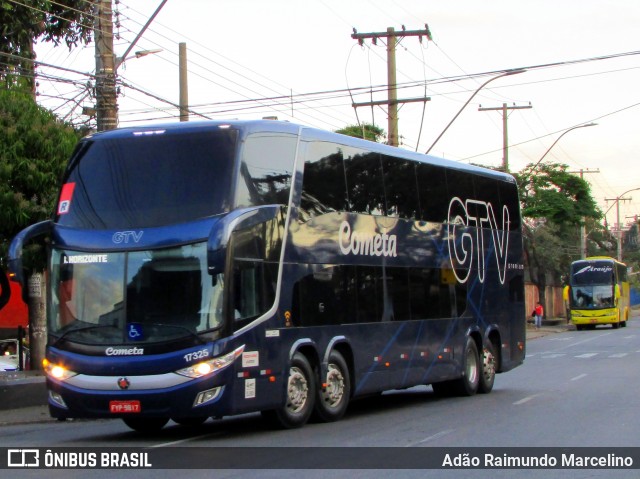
x=196, y=398
x=593, y=317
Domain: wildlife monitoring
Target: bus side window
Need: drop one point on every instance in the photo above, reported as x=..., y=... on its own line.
x=255, y=252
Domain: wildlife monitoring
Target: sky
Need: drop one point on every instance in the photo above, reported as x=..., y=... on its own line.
x=296, y=60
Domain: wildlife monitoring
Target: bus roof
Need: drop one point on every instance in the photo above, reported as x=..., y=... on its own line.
x=598, y=258
x=253, y=126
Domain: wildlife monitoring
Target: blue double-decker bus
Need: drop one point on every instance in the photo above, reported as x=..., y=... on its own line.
x=208, y=269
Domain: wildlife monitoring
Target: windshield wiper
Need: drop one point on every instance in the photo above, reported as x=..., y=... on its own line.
x=175, y=326
x=83, y=328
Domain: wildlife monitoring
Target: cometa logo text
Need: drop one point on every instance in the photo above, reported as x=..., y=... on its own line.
x=366, y=244
x=124, y=351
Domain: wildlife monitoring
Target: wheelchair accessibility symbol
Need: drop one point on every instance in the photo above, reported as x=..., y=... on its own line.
x=135, y=332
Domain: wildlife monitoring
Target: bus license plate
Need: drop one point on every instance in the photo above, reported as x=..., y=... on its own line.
x=121, y=407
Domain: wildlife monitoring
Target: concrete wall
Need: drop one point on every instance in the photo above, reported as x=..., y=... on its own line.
x=555, y=307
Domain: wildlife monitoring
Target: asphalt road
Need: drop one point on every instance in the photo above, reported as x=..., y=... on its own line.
x=576, y=389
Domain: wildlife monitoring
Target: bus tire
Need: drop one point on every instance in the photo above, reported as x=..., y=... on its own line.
x=443, y=389
x=467, y=384
x=300, y=396
x=489, y=366
x=332, y=400
x=146, y=424
x=190, y=421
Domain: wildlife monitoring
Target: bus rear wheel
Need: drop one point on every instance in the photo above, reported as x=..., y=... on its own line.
x=489, y=366
x=146, y=424
x=334, y=391
x=467, y=385
x=300, y=397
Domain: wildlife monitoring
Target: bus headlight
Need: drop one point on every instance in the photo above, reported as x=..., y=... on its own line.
x=56, y=371
x=211, y=366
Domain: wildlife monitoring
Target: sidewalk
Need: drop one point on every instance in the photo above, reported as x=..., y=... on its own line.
x=551, y=326
x=23, y=398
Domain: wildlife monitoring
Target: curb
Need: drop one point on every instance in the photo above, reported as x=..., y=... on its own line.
x=18, y=391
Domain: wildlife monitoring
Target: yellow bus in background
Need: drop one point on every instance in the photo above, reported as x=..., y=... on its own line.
x=598, y=292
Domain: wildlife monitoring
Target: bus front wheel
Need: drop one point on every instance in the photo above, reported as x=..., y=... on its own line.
x=334, y=391
x=300, y=396
x=146, y=424
x=190, y=421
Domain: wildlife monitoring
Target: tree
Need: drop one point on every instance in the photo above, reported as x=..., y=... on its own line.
x=365, y=130
x=68, y=21
x=34, y=148
x=554, y=204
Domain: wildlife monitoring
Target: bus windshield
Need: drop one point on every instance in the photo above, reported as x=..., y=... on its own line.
x=146, y=180
x=592, y=297
x=139, y=296
x=592, y=284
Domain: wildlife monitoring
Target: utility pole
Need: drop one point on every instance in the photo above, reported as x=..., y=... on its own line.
x=583, y=227
x=619, y=226
x=505, y=141
x=392, y=102
x=184, y=90
x=106, y=95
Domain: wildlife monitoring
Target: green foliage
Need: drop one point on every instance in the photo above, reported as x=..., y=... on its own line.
x=22, y=23
x=554, y=204
x=34, y=148
x=365, y=130
x=550, y=191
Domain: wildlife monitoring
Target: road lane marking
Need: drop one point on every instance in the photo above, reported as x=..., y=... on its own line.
x=586, y=355
x=431, y=438
x=579, y=377
x=181, y=441
x=593, y=338
x=618, y=355
x=553, y=355
x=525, y=400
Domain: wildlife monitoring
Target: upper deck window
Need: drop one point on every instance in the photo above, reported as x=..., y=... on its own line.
x=148, y=180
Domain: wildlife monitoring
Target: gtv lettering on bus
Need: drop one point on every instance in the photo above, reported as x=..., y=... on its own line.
x=366, y=244
x=463, y=245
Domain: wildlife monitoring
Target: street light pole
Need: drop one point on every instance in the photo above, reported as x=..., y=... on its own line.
x=507, y=73
x=138, y=54
x=558, y=139
x=583, y=229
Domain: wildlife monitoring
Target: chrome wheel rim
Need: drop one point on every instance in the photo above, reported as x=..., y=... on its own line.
x=297, y=390
x=488, y=365
x=334, y=391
